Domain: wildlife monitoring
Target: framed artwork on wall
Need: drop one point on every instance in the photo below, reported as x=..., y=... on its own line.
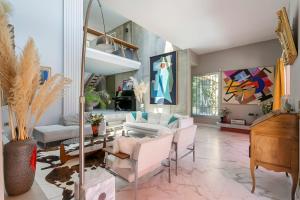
x=247, y=86
x=45, y=74
x=163, y=79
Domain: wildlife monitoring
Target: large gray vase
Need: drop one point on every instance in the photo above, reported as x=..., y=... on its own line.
x=19, y=166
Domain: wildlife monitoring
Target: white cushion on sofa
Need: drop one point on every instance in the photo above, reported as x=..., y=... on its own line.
x=73, y=120
x=185, y=122
x=126, y=145
x=57, y=132
x=149, y=127
x=164, y=119
x=181, y=116
x=153, y=118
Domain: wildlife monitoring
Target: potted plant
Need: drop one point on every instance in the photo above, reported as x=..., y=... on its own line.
x=224, y=112
x=267, y=107
x=92, y=98
x=27, y=101
x=97, y=121
x=139, y=90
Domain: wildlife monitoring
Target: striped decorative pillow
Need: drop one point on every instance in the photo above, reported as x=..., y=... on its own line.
x=133, y=117
x=173, y=122
x=144, y=117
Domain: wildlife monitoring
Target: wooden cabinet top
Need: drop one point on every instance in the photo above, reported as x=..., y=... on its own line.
x=277, y=124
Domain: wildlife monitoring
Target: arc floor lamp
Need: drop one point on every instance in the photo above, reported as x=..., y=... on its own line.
x=104, y=43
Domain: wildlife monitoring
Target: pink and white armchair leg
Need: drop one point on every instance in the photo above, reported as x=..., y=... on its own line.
x=177, y=158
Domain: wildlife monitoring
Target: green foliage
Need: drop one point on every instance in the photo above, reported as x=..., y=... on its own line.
x=91, y=96
x=96, y=97
x=5, y=7
x=267, y=107
x=224, y=112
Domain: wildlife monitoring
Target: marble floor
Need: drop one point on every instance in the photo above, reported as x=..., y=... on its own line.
x=35, y=193
x=221, y=172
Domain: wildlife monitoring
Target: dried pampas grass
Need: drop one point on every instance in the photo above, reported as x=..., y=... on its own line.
x=7, y=54
x=139, y=89
x=47, y=94
x=19, y=80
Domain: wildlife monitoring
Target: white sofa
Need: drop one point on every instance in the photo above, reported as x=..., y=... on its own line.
x=156, y=123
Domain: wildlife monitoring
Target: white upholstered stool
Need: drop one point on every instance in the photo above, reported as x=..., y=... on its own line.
x=99, y=185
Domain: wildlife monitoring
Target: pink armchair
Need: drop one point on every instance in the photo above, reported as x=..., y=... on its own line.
x=184, y=144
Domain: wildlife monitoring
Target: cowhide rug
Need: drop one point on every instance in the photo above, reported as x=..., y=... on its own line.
x=56, y=179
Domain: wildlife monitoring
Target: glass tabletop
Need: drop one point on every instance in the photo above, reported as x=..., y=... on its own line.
x=87, y=139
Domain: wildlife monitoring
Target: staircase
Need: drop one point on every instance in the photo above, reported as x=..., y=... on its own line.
x=93, y=81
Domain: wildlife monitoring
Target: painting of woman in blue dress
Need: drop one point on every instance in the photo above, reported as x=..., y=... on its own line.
x=163, y=79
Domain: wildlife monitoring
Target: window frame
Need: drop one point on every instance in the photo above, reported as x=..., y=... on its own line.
x=198, y=114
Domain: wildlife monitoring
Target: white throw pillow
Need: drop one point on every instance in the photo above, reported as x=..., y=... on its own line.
x=127, y=145
x=164, y=119
x=181, y=116
x=153, y=118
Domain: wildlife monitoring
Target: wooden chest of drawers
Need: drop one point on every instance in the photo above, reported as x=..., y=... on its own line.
x=274, y=145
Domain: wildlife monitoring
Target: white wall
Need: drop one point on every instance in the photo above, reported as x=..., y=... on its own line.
x=73, y=33
x=193, y=58
x=293, y=11
x=43, y=21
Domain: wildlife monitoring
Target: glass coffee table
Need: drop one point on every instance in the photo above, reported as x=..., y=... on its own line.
x=92, y=145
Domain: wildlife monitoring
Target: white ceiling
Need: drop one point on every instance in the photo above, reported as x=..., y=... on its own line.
x=204, y=25
x=112, y=18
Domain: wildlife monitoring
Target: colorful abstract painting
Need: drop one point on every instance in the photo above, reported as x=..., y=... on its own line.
x=248, y=86
x=163, y=79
